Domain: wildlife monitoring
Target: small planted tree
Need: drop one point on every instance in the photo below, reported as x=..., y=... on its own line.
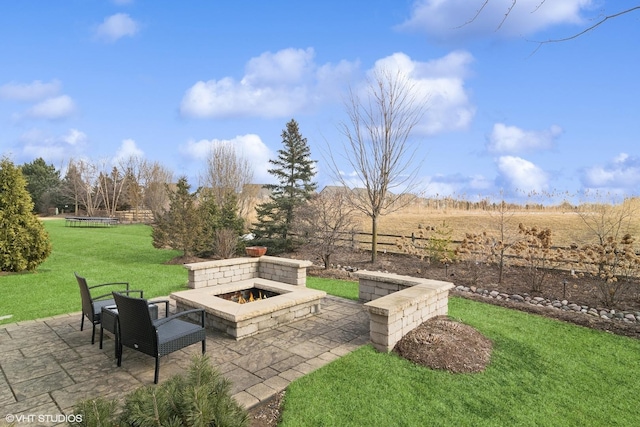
x=477, y=249
x=432, y=244
x=324, y=221
x=180, y=226
x=24, y=243
x=536, y=253
x=614, y=263
x=611, y=256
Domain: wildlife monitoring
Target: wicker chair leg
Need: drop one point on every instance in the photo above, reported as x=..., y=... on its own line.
x=82, y=322
x=157, y=373
x=93, y=334
x=204, y=346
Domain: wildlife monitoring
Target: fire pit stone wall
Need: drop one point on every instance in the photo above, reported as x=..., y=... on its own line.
x=220, y=272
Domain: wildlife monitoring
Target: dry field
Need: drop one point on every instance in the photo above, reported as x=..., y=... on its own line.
x=566, y=227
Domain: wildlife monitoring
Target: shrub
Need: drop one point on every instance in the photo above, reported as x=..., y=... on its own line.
x=201, y=398
x=24, y=243
x=432, y=244
x=536, y=253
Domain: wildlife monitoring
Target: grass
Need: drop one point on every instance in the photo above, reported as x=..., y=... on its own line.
x=543, y=372
x=339, y=288
x=115, y=254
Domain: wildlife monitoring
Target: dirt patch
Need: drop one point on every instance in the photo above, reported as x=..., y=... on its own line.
x=442, y=343
x=267, y=414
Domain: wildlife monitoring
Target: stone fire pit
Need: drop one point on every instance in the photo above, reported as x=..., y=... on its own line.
x=288, y=298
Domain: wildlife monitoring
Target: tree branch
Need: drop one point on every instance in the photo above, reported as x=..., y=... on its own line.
x=586, y=30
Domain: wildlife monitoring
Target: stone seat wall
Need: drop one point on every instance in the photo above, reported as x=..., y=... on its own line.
x=398, y=304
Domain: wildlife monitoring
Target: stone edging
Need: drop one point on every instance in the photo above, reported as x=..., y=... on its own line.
x=604, y=313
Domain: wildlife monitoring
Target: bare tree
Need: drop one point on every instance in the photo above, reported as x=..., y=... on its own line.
x=83, y=180
x=378, y=145
x=227, y=173
x=110, y=186
x=605, y=221
x=323, y=222
x=156, y=179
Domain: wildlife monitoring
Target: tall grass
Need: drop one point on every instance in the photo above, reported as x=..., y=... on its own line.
x=542, y=373
x=114, y=254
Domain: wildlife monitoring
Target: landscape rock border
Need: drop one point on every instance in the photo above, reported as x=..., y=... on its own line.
x=604, y=313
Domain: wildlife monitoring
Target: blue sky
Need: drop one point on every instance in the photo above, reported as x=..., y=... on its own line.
x=165, y=80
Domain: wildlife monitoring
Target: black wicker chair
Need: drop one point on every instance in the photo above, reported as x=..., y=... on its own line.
x=92, y=305
x=156, y=338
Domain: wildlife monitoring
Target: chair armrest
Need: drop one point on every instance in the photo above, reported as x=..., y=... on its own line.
x=126, y=284
x=166, y=305
x=181, y=314
x=120, y=292
x=110, y=284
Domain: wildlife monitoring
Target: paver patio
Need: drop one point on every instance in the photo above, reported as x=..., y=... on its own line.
x=47, y=365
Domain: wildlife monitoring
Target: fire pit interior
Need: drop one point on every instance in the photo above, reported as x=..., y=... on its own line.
x=248, y=295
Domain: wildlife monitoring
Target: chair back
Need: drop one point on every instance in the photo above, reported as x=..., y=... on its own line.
x=87, y=302
x=136, y=327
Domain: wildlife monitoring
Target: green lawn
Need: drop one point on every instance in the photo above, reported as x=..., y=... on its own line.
x=339, y=288
x=542, y=372
x=122, y=253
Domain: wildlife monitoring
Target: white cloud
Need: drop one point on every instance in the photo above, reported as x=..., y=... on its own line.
x=454, y=19
x=117, y=26
x=286, y=82
x=512, y=139
x=33, y=91
x=440, y=83
x=127, y=150
x=622, y=174
x=274, y=85
x=248, y=146
x=52, y=108
x=52, y=148
x=74, y=137
x=518, y=174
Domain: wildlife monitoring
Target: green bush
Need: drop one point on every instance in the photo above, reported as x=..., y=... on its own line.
x=24, y=243
x=201, y=398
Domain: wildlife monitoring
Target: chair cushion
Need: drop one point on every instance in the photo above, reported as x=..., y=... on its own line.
x=97, y=307
x=178, y=334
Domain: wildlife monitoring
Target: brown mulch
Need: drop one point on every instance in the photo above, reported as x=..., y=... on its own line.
x=442, y=343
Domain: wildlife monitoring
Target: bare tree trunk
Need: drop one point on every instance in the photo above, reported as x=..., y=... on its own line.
x=374, y=239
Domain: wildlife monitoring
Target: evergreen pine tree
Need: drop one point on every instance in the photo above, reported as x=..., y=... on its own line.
x=24, y=243
x=43, y=184
x=294, y=171
x=179, y=227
